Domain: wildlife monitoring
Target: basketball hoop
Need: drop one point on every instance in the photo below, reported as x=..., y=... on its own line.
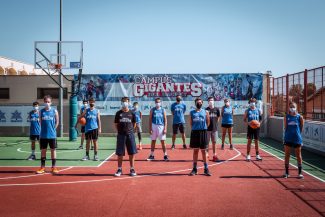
x=56, y=67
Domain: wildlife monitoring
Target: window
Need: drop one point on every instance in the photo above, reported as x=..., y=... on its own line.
x=53, y=92
x=4, y=93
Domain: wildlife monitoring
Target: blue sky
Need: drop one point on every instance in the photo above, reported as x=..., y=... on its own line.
x=173, y=36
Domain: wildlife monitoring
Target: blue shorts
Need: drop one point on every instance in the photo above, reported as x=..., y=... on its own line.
x=128, y=141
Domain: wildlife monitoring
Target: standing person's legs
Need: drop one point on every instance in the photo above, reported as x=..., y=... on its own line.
x=230, y=137
x=82, y=140
x=224, y=131
x=182, y=131
x=299, y=161
x=249, y=142
x=120, y=152
x=195, y=158
x=131, y=159
x=209, y=138
x=287, y=150
x=95, y=142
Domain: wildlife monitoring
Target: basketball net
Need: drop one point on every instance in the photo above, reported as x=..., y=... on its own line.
x=54, y=68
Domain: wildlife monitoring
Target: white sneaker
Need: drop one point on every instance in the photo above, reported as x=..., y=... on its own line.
x=300, y=176
x=85, y=158
x=258, y=157
x=286, y=175
x=248, y=158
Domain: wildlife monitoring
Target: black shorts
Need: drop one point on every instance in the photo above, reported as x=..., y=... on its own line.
x=83, y=129
x=292, y=145
x=227, y=125
x=179, y=126
x=34, y=137
x=92, y=134
x=128, y=141
x=44, y=143
x=253, y=133
x=199, y=139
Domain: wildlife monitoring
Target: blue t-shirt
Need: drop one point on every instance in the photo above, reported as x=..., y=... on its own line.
x=292, y=132
x=199, y=120
x=137, y=114
x=35, y=127
x=91, y=119
x=253, y=114
x=158, y=116
x=227, y=115
x=178, y=110
x=48, y=121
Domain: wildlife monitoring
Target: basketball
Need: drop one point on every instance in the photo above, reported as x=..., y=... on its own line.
x=254, y=124
x=82, y=121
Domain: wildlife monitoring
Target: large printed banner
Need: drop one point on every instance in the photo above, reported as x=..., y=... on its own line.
x=15, y=115
x=108, y=89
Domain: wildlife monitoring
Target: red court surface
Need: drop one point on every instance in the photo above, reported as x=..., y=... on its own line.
x=236, y=188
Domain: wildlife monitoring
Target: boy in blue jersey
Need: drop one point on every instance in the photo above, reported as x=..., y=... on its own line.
x=227, y=123
x=252, y=113
x=293, y=124
x=199, y=121
x=82, y=109
x=158, y=128
x=92, y=128
x=125, y=122
x=178, y=110
x=49, y=122
x=138, y=118
x=35, y=128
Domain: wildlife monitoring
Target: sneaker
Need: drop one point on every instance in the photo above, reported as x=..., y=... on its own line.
x=139, y=147
x=86, y=157
x=92, y=147
x=222, y=146
x=215, y=158
x=173, y=147
x=300, y=176
x=206, y=172
x=132, y=172
x=248, y=158
x=193, y=172
x=40, y=170
x=184, y=146
x=258, y=157
x=150, y=158
x=231, y=147
x=81, y=147
x=96, y=158
x=32, y=157
x=55, y=170
x=118, y=173
x=166, y=158
x=286, y=175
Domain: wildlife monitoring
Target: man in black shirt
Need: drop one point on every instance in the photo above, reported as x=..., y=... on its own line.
x=212, y=132
x=125, y=123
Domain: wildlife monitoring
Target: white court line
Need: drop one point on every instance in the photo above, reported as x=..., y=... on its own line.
x=19, y=150
x=115, y=178
x=322, y=180
x=106, y=160
x=18, y=177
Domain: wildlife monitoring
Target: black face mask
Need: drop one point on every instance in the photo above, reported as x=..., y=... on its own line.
x=92, y=104
x=198, y=105
x=178, y=99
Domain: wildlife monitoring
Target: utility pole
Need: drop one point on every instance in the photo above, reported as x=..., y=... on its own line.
x=60, y=77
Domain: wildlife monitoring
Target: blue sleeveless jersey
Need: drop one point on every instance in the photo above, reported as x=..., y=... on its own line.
x=178, y=109
x=35, y=127
x=158, y=116
x=253, y=114
x=91, y=119
x=227, y=115
x=292, y=132
x=199, y=120
x=137, y=116
x=48, y=122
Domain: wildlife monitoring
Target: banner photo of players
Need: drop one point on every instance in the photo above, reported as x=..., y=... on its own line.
x=108, y=89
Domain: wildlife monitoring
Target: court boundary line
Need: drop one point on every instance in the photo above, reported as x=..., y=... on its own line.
x=19, y=177
x=116, y=178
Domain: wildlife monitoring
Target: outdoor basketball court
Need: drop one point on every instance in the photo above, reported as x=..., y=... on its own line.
x=160, y=189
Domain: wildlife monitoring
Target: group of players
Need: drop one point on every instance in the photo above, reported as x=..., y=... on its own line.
x=203, y=123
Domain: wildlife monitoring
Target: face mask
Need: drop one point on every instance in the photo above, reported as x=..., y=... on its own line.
x=136, y=107
x=92, y=104
x=178, y=99
x=85, y=105
x=198, y=105
x=211, y=104
x=47, y=105
x=35, y=108
x=227, y=103
x=292, y=110
x=125, y=104
x=158, y=104
x=252, y=104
